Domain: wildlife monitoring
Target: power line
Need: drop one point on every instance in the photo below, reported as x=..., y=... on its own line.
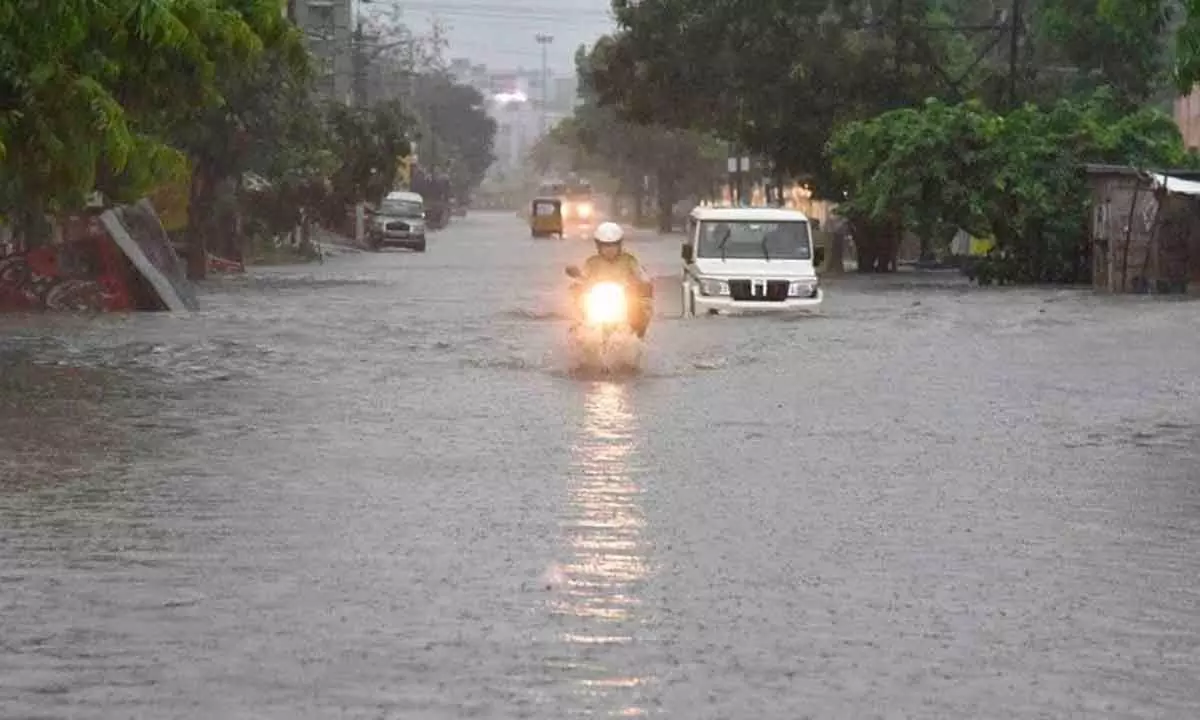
x=507, y=12
x=574, y=23
x=555, y=9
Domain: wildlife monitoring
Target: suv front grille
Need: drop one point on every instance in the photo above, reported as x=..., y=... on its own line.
x=747, y=291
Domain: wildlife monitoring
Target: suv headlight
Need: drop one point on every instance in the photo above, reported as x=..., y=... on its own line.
x=803, y=288
x=709, y=286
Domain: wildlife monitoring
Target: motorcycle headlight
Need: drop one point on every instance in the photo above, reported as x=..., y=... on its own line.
x=605, y=303
x=709, y=286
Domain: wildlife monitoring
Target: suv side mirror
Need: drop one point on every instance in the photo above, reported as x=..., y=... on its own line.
x=687, y=253
x=573, y=272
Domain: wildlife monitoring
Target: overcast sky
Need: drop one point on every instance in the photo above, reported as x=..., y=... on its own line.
x=501, y=34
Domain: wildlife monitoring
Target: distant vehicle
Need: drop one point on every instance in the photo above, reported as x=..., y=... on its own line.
x=748, y=259
x=399, y=221
x=545, y=217
x=576, y=207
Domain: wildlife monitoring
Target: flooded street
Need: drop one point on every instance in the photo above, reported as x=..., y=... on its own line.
x=371, y=489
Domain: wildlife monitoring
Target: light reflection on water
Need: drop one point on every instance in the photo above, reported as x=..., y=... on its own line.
x=598, y=601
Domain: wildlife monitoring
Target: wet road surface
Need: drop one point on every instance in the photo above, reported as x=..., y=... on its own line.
x=370, y=489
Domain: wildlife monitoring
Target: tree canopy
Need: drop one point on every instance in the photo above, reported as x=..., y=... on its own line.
x=457, y=135
x=134, y=97
x=929, y=114
x=676, y=161
x=1014, y=177
x=88, y=89
x=779, y=77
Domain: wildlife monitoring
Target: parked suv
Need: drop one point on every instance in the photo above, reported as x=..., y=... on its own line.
x=398, y=222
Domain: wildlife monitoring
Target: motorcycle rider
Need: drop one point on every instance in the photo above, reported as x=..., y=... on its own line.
x=612, y=263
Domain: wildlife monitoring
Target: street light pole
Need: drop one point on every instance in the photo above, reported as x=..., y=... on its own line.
x=544, y=40
x=359, y=60
x=1014, y=49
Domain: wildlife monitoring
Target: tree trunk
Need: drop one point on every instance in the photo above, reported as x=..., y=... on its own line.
x=876, y=246
x=200, y=218
x=237, y=235
x=225, y=238
x=30, y=228
x=835, y=260
x=668, y=196
x=927, y=224
x=306, y=243
x=927, y=254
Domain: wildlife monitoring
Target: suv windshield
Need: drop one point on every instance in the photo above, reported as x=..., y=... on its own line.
x=401, y=208
x=766, y=240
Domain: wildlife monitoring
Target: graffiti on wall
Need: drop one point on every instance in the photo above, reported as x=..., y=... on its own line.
x=85, y=272
x=116, y=260
x=29, y=281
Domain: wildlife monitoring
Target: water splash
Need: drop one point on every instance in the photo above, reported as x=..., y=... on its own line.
x=590, y=353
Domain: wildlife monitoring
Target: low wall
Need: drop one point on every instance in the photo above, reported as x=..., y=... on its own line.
x=115, y=260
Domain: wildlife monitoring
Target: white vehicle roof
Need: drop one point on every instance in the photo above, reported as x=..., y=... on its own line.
x=405, y=195
x=748, y=214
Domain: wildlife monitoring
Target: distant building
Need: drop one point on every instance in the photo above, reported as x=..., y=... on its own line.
x=328, y=27
x=564, y=93
x=473, y=74
x=514, y=101
x=518, y=128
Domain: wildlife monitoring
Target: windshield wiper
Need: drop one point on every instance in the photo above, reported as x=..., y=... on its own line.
x=766, y=255
x=724, y=239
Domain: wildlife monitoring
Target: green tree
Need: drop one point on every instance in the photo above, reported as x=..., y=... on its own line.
x=677, y=161
x=1187, y=47
x=778, y=76
x=775, y=77
x=256, y=93
x=369, y=143
x=1015, y=177
x=458, y=136
x=1122, y=44
x=83, y=87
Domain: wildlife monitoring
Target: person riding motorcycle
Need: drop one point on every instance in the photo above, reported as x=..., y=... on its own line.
x=612, y=263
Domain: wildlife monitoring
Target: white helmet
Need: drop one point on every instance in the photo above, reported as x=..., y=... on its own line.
x=608, y=233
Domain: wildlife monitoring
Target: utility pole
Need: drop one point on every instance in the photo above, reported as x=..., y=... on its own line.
x=1013, y=50
x=731, y=161
x=544, y=40
x=898, y=69
x=358, y=57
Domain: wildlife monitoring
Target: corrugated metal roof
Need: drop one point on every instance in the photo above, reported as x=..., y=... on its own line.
x=1104, y=169
x=1175, y=185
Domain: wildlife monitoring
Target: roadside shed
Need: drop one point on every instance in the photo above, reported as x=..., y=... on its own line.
x=1144, y=229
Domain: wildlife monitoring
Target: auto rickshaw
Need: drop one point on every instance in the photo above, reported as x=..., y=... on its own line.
x=546, y=217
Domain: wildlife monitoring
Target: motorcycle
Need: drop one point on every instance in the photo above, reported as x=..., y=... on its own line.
x=602, y=336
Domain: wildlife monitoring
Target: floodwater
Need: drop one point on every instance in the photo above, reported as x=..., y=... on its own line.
x=370, y=489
